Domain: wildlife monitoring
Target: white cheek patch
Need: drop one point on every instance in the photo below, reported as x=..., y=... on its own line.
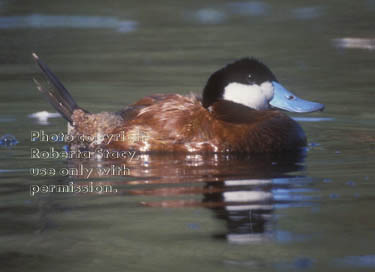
x=267, y=89
x=253, y=96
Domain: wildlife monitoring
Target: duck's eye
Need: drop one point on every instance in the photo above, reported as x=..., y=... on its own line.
x=250, y=79
x=290, y=97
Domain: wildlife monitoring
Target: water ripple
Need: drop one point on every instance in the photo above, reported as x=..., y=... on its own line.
x=253, y=8
x=365, y=261
x=60, y=21
x=307, y=13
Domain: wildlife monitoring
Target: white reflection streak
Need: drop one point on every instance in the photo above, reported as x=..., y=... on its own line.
x=60, y=21
x=312, y=119
x=245, y=238
x=247, y=196
x=247, y=182
x=43, y=116
x=357, y=43
x=253, y=8
x=248, y=207
x=209, y=16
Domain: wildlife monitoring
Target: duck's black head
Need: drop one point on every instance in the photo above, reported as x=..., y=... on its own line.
x=251, y=83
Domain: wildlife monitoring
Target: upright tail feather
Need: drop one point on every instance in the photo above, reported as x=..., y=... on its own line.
x=55, y=92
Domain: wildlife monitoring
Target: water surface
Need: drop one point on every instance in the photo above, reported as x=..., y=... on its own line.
x=213, y=213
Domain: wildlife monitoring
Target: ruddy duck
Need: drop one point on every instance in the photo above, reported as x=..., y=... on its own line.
x=237, y=113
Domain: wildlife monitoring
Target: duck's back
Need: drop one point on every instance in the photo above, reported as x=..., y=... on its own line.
x=176, y=123
x=167, y=123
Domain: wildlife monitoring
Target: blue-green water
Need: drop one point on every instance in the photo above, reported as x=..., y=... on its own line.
x=183, y=213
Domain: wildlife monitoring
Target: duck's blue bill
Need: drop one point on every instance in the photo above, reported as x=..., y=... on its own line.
x=285, y=100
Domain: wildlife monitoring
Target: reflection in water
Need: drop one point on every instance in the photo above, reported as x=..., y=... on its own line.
x=247, y=206
x=356, y=43
x=42, y=117
x=50, y=21
x=209, y=16
x=215, y=16
x=299, y=263
x=241, y=190
x=253, y=8
x=312, y=119
x=308, y=13
x=363, y=261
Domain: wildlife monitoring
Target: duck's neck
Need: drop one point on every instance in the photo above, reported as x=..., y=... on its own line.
x=232, y=112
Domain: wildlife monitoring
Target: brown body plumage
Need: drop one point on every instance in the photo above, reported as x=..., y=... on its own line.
x=176, y=123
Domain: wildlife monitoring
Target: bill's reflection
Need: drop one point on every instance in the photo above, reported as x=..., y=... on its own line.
x=241, y=190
